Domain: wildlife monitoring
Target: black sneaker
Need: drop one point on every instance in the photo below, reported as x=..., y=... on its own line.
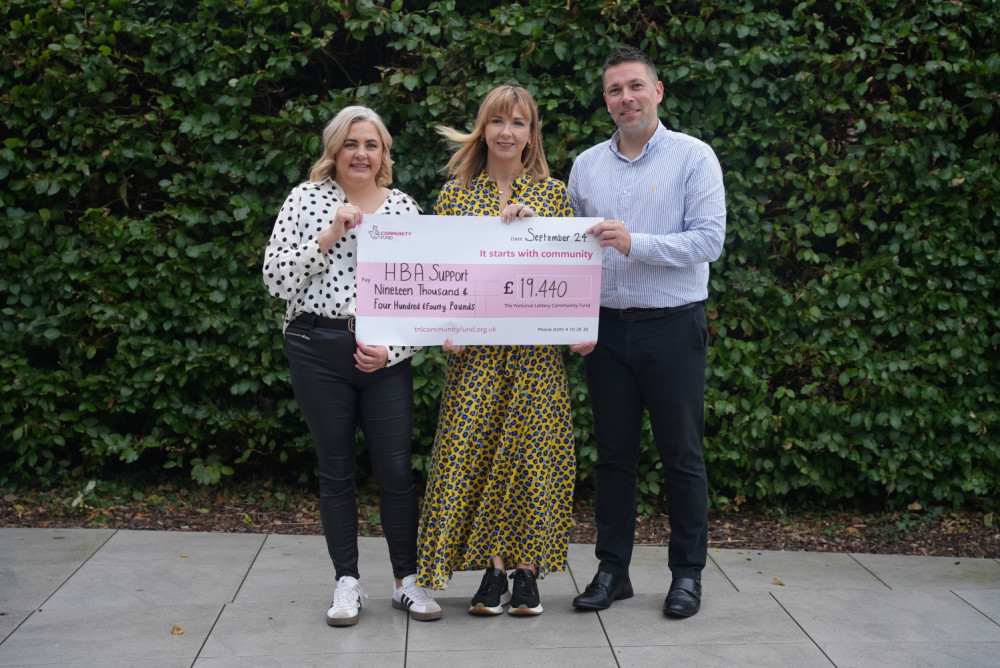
x=524, y=600
x=492, y=595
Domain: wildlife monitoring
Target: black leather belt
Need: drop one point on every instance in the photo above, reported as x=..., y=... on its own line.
x=637, y=314
x=320, y=322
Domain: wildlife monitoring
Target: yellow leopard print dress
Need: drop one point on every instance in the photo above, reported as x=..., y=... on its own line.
x=503, y=465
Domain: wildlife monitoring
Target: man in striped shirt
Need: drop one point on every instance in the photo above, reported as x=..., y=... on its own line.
x=662, y=199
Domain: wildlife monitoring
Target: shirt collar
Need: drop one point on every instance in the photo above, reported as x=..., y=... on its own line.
x=658, y=135
x=327, y=181
x=480, y=181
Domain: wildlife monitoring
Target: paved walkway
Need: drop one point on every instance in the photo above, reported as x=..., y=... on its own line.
x=97, y=597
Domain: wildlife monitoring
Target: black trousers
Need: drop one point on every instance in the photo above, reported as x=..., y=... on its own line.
x=656, y=365
x=335, y=398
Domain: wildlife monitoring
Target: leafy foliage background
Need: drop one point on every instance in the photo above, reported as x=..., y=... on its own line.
x=147, y=147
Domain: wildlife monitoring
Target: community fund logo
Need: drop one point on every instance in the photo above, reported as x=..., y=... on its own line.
x=375, y=233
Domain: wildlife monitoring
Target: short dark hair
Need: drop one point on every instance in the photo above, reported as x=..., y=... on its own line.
x=629, y=54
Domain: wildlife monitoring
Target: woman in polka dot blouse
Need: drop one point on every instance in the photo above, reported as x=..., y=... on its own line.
x=339, y=382
x=500, y=485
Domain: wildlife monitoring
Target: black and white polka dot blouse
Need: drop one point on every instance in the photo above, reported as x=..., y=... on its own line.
x=296, y=270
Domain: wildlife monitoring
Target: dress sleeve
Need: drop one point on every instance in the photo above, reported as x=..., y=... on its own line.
x=445, y=203
x=560, y=200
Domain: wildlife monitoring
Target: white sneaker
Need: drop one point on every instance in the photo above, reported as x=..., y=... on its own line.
x=417, y=600
x=348, y=599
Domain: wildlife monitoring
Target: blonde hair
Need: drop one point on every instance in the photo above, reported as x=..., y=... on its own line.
x=470, y=155
x=334, y=136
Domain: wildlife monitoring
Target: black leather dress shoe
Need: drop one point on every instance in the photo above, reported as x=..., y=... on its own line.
x=683, y=599
x=602, y=591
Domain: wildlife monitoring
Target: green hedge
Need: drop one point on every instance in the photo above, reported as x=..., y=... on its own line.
x=148, y=145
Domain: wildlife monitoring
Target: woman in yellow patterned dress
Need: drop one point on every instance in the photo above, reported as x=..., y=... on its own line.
x=500, y=486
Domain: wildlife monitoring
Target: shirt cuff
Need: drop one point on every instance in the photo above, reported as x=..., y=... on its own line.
x=639, y=246
x=398, y=354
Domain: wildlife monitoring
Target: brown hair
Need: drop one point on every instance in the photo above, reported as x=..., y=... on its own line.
x=469, y=158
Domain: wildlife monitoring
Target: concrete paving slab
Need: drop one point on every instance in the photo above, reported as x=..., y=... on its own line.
x=281, y=631
x=10, y=620
x=307, y=560
x=915, y=655
x=552, y=586
x=648, y=571
x=374, y=660
x=512, y=656
x=986, y=601
x=147, y=585
x=855, y=616
x=35, y=562
x=773, y=571
x=98, y=636
x=39, y=546
x=111, y=663
x=799, y=655
x=582, y=565
x=146, y=663
x=292, y=568
x=229, y=550
x=110, y=598
x=650, y=574
x=373, y=560
x=298, y=552
x=725, y=619
x=916, y=572
x=152, y=568
x=137, y=569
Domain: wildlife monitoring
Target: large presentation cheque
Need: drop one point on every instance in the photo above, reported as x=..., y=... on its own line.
x=476, y=280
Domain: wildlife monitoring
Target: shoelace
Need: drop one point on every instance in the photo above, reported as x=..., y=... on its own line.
x=496, y=584
x=348, y=596
x=520, y=582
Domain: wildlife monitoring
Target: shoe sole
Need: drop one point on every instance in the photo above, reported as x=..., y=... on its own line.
x=419, y=616
x=480, y=609
x=680, y=615
x=483, y=609
x=342, y=621
x=524, y=611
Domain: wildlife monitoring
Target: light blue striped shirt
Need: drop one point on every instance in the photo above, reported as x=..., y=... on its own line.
x=672, y=200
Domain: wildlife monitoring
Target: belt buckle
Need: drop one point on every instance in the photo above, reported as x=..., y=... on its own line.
x=350, y=324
